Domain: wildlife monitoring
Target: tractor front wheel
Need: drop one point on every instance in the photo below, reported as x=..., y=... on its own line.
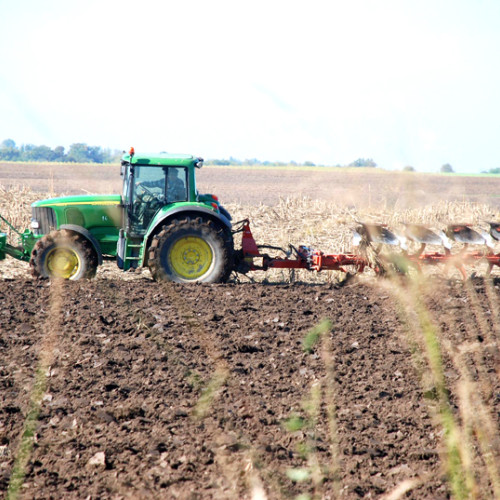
x=191, y=251
x=63, y=254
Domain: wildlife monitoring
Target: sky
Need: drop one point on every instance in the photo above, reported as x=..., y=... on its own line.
x=405, y=83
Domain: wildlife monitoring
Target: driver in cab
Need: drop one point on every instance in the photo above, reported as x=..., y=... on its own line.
x=176, y=188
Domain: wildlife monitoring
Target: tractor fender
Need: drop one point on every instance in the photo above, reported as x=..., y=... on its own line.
x=194, y=210
x=186, y=211
x=88, y=235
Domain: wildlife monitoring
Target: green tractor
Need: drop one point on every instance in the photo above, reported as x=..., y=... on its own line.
x=160, y=221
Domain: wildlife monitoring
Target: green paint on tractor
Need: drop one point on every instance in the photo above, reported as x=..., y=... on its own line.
x=159, y=221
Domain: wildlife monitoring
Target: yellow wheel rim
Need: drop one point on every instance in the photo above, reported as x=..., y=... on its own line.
x=63, y=263
x=191, y=257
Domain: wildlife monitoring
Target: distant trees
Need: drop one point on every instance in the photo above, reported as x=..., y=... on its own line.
x=8, y=150
x=408, y=168
x=37, y=153
x=447, y=169
x=362, y=162
x=77, y=153
x=255, y=162
x=81, y=153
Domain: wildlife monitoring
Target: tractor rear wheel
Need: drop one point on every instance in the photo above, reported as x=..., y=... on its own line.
x=63, y=254
x=191, y=251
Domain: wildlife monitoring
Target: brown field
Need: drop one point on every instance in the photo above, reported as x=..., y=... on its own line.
x=126, y=388
x=253, y=186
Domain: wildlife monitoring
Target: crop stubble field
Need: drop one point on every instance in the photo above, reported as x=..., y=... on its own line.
x=270, y=389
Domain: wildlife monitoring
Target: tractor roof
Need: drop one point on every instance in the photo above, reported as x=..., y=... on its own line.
x=176, y=160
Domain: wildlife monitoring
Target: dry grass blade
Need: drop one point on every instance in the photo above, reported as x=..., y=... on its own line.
x=46, y=356
x=402, y=489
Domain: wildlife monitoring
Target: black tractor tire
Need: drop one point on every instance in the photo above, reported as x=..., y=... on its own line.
x=191, y=251
x=63, y=254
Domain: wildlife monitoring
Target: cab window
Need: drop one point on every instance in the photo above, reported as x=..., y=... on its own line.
x=150, y=180
x=176, y=184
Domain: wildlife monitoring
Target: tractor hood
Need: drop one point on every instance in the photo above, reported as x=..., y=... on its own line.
x=94, y=199
x=101, y=215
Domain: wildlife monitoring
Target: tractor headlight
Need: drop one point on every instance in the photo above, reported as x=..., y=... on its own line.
x=34, y=224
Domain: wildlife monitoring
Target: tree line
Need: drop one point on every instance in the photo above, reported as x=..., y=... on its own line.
x=360, y=162
x=82, y=153
x=77, y=153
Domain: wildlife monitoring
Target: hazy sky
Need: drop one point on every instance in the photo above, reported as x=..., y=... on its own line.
x=404, y=82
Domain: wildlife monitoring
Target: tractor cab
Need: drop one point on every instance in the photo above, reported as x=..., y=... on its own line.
x=148, y=189
x=150, y=183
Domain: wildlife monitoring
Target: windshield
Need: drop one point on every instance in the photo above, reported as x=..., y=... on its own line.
x=154, y=187
x=150, y=179
x=167, y=184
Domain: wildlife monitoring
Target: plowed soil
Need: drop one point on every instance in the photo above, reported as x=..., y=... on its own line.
x=208, y=391
x=135, y=389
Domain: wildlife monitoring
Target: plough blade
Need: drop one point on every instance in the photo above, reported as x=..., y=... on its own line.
x=463, y=233
x=422, y=234
x=377, y=233
x=495, y=230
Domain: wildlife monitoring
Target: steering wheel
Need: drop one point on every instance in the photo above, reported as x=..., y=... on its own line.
x=146, y=190
x=147, y=196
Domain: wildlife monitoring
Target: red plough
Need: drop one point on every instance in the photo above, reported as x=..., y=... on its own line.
x=303, y=257
x=370, y=239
